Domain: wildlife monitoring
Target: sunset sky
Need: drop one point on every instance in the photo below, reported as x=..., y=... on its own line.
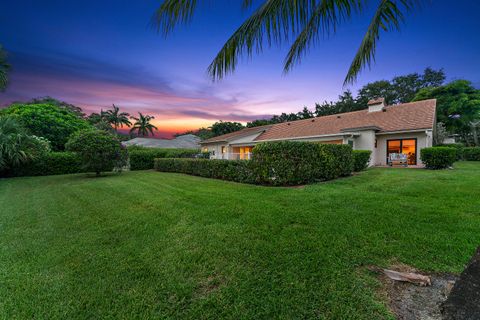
x=95, y=53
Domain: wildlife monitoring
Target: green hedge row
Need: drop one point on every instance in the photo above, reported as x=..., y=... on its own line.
x=438, y=157
x=50, y=164
x=273, y=163
x=471, y=153
x=143, y=158
x=361, y=158
x=231, y=170
x=465, y=153
x=294, y=163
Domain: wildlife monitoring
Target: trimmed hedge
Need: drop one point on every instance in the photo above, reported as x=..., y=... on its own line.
x=471, y=153
x=294, y=163
x=51, y=164
x=273, y=163
x=231, y=170
x=438, y=157
x=458, y=148
x=361, y=158
x=143, y=158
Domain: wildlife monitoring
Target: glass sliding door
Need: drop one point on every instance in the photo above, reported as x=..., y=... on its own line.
x=405, y=146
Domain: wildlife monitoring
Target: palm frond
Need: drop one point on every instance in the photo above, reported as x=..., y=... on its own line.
x=327, y=15
x=173, y=12
x=388, y=17
x=4, y=68
x=273, y=23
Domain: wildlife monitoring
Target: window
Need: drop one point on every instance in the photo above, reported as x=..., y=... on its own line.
x=405, y=146
x=224, y=149
x=350, y=143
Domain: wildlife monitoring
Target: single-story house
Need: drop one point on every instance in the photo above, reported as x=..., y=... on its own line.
x=186, y=141
x=403, y=128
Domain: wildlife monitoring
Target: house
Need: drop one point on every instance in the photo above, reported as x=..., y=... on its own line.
x=404, y=128
x=187, y=141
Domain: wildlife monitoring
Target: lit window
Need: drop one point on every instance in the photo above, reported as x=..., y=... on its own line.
x=224, y=149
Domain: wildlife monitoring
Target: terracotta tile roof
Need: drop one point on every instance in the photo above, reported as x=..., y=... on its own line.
x=237, y=134
x=402, y=117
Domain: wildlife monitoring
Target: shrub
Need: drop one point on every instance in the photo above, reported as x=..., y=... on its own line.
x=273, y=163
x=361, y=158
x=143, y=158
x=232, y=170
x=438, y=157
x=471, y=153
x=99, y=150
x=293, y=163
x=16, y=146
x=458, y=149
x=48, y=164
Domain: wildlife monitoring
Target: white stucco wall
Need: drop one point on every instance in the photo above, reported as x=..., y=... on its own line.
x=217, y=148
x=424, y=139
x=366, y=141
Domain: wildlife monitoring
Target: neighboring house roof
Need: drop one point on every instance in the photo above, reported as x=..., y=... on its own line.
x=187, y=141
x=237, y=134
x=411, y=116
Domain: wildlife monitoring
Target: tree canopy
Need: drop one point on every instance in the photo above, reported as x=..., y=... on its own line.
x=48, y=120
x=458, y=107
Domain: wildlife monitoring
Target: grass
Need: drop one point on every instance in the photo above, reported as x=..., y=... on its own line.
x=157, y=245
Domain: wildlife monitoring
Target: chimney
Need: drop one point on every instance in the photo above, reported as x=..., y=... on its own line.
x=375, y=105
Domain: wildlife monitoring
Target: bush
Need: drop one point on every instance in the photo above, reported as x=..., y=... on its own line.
x=99, y=150
x=458, y=149
x=273, y=163
x=438, y=157
x=471, y=153
x=293, y=163
x=361, y=158
x=48, y=164
x=231, y=170
x=143, y=158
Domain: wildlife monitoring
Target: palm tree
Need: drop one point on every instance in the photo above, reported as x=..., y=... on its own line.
x=142, y=125
x=116, y=118
x=16, y=146
x=277, y=21
x=4, y=67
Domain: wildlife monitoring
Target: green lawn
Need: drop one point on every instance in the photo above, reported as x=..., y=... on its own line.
x=155, y=245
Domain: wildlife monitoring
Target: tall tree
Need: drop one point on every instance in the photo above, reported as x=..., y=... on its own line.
x=277, y=21
x=224, y=127
x=406, y=87
x=4, y=68
x=116, y=118
x=305, y=114
x=374, y=90
x=142, y=126
x=48, y=121
x=458, y=106
x=345, y=103
x=62, y=104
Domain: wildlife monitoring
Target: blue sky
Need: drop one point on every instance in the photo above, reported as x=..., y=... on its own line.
x=95, y=53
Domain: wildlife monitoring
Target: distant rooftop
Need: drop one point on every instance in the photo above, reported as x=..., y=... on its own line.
x=187, y=141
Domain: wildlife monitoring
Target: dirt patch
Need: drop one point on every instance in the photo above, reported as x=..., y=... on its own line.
x=208, y=286
x=412, y=302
